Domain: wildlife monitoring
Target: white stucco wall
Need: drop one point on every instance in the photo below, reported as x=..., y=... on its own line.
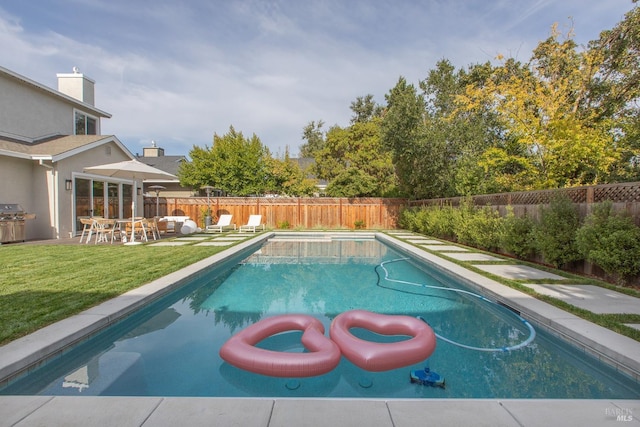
x=21, y=182
x=28, y=112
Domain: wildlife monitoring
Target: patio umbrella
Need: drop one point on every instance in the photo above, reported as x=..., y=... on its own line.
x=133, y=170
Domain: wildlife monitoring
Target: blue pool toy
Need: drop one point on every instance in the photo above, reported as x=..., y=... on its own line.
x=427, y=377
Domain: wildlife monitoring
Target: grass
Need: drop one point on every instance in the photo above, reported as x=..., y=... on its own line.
x=42, y=284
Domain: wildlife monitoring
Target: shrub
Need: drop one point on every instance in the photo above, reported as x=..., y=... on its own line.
x=284, y=225
x=478, y=227
x=439, y=222
x=516, y=235
x=610, y=241
x=433, y=221
x=408, y=218
x=555, y=233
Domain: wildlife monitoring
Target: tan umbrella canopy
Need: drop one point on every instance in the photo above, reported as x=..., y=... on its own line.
x=133, y=170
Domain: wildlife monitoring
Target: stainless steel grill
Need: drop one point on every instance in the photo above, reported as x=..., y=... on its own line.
x=12, y=222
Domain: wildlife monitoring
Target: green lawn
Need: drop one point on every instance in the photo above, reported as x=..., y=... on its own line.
x=41, y=284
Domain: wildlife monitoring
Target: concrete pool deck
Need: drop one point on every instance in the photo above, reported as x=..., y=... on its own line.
x=614, y=349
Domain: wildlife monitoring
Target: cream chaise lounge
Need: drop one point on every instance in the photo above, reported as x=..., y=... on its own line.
x=255, y=221
x=224, y=223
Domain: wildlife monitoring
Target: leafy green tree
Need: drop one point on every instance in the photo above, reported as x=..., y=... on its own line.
x=546, y=114
x=614, y=90
x=352, y=182
x=463, y=135
x=287, y=178
x=417, y=159
x=235, y=164
x=364, y=109
x=312, y=133
x=356, y=147
x=199, y=171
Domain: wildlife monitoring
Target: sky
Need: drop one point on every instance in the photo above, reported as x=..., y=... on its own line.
x=178, y=72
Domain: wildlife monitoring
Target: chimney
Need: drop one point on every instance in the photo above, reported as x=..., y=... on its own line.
x=78, y=86
x=153, y=151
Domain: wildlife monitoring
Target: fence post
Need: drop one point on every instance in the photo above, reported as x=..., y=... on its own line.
x=589, y=202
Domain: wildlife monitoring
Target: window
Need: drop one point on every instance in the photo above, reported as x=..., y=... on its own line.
x=85, y=125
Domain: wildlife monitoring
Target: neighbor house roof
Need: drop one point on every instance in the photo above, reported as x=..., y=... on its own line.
x=169, y=164
x=55, y=148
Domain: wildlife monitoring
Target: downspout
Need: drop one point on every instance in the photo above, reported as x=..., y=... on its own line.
x=55, y=196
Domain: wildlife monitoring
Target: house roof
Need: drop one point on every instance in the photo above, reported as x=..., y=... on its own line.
x=169, y=164
x=83, y=105
x=55, y=148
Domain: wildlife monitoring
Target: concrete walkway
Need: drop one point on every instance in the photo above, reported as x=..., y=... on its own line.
x=169, y=412
x=620, y=351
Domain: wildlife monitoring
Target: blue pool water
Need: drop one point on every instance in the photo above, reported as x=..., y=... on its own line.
x=171, y=347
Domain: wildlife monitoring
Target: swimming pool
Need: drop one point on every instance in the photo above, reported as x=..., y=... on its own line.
x=171, y=347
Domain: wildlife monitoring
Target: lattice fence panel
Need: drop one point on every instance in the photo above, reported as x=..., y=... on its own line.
x=620, y=193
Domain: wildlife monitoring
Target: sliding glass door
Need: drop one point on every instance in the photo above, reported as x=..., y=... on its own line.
x=101, y=198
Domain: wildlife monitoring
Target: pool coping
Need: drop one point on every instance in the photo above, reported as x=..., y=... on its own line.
x=28, y=352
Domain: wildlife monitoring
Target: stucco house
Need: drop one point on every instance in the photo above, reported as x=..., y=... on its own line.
x=47, y=137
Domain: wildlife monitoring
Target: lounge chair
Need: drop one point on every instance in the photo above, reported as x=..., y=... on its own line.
x=254, y=222
x=224, y=222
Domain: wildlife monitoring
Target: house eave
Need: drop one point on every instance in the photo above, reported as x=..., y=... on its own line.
x=94, y=144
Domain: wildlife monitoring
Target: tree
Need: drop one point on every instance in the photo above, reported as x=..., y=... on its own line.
x=539, y=106
x=614, y=91
x=287, y=178
x=356, y=147
x=416, y=160
x=463, y=136
x=364, y=109
x=235, y=164
x=352, y=182
x=312, y=133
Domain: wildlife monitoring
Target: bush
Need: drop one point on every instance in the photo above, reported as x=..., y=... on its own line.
x=555, y=234
x=610, y=241
x=432, y=221
x=284, y=225
x=478, y=227
x=440, y=222
x=516, y=235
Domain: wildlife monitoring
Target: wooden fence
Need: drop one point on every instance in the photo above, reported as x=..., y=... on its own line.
x=380, y=213
x=624, y=196
x=285, y=212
